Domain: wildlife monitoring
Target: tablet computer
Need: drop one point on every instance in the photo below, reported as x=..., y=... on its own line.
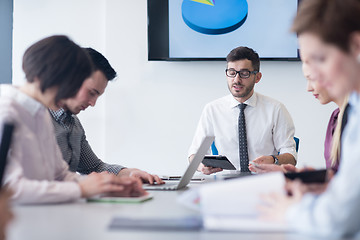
x=314, y=176
x=218, y=161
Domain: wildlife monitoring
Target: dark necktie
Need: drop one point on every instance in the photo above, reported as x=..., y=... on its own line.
x=243, y=151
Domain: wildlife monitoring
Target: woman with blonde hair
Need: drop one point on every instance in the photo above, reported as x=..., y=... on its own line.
x=332, y=138
x=329, y=40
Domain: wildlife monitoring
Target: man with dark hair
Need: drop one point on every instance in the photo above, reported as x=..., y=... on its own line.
x=70, y=133
x=247, y=125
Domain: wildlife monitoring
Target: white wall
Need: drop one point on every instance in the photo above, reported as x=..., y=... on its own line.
x=147, y=117
x=83, y=21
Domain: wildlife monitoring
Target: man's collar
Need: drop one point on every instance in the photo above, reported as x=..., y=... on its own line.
x=59, y=115
x=250, y=102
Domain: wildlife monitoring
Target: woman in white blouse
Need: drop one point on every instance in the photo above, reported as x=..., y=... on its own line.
x=55, y=68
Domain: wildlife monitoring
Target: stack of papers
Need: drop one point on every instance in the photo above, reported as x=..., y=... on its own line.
x=244, y=224
x=232, y=205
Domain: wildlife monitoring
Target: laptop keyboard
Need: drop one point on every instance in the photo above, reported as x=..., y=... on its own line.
x=166, y=186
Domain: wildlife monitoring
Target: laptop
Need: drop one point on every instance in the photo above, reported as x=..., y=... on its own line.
x=4, y=148
x=191, y=169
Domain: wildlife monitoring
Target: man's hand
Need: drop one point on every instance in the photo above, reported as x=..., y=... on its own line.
x=142, y=175
x=264, y=160
x=208, y=170
x=284, y=158
x=205, y=170
x=264, y=168
x=108, y=183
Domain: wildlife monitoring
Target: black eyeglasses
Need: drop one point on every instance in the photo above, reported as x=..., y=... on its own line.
x=242, y=73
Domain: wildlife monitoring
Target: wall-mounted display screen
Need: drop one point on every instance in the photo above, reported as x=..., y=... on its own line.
x=209, y=29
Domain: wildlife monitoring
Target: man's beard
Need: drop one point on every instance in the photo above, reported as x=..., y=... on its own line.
x=247, y=91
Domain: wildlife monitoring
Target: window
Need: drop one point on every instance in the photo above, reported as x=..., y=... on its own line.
x=6, y=26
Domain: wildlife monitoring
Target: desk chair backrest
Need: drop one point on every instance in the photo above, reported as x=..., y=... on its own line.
x=297, y=142
x=214, y=149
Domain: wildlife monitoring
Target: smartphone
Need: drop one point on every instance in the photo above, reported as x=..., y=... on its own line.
x=314, y=176
x=218, y=161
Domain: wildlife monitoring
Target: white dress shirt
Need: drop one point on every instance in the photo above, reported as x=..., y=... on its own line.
x=336, y=212
x=36, y=172
x=269, y=128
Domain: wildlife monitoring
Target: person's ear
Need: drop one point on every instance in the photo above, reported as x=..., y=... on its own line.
x=258, y=77
x=355, y=45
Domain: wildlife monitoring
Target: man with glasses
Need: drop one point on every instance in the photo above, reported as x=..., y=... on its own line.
x=248, y=127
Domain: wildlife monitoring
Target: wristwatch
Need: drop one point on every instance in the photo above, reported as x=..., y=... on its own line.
x=276, y=160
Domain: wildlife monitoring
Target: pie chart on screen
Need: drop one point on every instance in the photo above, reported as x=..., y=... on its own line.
x=214, y=16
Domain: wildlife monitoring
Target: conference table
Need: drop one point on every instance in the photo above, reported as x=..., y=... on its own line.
x=89, y=220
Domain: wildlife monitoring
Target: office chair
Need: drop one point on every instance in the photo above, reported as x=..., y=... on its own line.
x=214, y=149
x=297, y=142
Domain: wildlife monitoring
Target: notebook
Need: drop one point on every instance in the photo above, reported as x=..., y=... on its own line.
x=191, y=169
x=225, y=207
x=187, y=223
x=4, y=148
x=109, y=199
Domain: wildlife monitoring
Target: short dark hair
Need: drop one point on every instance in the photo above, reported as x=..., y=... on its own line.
x=56, y=61
x=241, y=53
x=101, y=63
x=332, y=20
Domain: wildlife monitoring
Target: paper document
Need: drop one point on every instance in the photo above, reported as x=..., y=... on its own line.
x=243, y=224
x=231, y=205
x=190, y=199
x=239, y=197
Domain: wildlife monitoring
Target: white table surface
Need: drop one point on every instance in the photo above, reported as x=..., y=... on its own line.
x=82, y=220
